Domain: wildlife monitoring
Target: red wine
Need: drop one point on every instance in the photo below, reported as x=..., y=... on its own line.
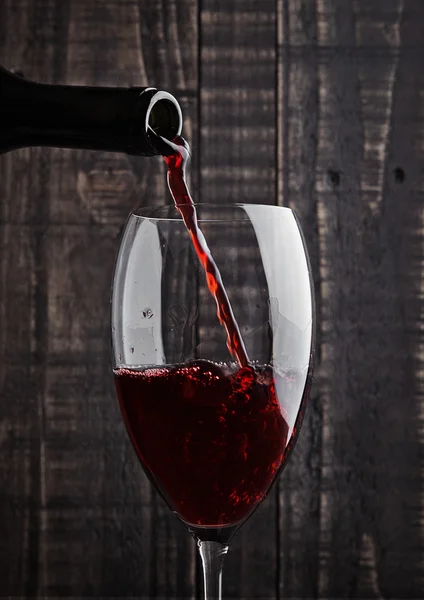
x=211, y=438
x=177, y=162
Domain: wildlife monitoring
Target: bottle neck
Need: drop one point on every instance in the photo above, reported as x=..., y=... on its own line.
x=95, y=118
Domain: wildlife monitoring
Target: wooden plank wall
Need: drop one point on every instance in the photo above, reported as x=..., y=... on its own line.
x=315, y=104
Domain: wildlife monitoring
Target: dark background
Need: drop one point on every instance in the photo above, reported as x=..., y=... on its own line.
x=318, y=105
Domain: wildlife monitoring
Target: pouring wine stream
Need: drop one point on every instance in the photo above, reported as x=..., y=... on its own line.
x=177, y=163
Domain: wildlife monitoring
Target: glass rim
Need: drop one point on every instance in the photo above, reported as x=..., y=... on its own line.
x=138, y=213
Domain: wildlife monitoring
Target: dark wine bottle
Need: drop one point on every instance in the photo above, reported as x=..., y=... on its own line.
x=130, y=120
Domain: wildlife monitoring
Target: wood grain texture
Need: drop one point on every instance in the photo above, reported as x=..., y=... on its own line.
x=372, y=407
x=349, y=123
x=238, y=115
x=370, y=450
x=298, y=86
x=24, y=334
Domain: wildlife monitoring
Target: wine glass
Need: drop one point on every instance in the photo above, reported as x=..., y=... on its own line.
x=211, y=435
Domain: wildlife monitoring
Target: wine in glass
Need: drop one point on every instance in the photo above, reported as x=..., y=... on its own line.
x=212, y=390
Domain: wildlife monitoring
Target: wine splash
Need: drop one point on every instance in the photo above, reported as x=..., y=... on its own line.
x=177, y=163
x=212, y=438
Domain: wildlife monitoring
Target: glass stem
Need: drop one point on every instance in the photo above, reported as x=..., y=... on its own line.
x=213, y=555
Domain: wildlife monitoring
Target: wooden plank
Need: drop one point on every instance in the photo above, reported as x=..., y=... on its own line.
x=81, y=518
x=19, y=440
x=238, y=101
x=343, y=312
x=25, y=209
x=237, y=153
x=370, y=227
x=346, y=169
x=394, y=249
x=298, y=85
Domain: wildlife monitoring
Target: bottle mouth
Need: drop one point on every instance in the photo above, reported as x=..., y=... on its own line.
x=164, y=116
x=164, y=119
